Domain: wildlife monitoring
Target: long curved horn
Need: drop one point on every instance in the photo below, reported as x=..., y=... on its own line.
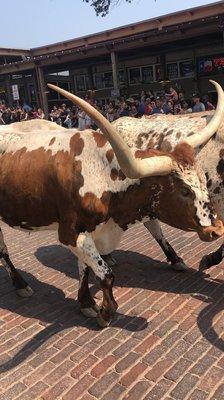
x=132, y=168
x=205, y=134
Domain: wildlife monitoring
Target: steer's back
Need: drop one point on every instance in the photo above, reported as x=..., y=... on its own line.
x=161, y=132
x=49, y=177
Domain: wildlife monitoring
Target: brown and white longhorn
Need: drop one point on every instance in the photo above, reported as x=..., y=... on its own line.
x=92, y=186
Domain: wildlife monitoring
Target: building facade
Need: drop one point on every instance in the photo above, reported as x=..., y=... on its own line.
x=183, y=49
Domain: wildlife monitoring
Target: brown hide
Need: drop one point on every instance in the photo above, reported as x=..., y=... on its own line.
x=38, y=188
x=183, y=154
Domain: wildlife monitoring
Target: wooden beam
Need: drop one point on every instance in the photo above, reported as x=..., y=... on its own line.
x=41, y=86
x=14, y=52
x=113, y=56
x=154, y=39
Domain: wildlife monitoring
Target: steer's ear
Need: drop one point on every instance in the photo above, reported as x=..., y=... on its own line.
x=184, y=154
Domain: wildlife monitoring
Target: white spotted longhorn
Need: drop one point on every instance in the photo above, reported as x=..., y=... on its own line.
x=91, y=186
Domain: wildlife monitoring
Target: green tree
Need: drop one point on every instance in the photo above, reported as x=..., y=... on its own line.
x=102, y=7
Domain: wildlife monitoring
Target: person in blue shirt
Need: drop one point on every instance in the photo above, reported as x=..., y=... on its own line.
x=161, y=107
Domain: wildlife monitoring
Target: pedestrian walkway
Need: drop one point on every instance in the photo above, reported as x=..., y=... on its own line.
x=165, y=343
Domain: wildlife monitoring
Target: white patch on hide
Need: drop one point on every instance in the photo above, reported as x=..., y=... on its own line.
x=197, y=182
x=107, y=237
x=96, y=169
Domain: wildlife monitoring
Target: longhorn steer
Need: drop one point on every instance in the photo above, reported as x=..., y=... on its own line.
x=164, y=132
x=91, y=187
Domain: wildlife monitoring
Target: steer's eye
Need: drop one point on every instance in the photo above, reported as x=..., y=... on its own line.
x=186, y=192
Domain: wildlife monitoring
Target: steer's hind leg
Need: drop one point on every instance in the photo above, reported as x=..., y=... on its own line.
x=154, y=228
x=212, y=259
x=87, y=253
x=21, y=286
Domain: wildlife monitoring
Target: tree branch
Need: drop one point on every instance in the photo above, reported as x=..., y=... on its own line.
x=102, y=7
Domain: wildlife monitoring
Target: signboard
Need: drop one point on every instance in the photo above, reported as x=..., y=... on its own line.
x=210, y=65
x=186, y=68
x=15, y=92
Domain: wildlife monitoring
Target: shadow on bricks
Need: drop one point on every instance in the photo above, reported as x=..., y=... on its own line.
x=57, y=313
x=51, y=308
x=134, y=269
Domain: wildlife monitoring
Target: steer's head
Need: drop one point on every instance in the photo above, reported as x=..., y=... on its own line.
x=182, y=199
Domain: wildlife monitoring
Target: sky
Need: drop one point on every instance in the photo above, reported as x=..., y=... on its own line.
x=32, y=23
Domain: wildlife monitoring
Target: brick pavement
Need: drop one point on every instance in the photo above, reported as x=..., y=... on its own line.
x=166, y=342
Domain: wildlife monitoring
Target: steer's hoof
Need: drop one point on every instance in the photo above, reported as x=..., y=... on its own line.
x=90, y=312
x=204, y=264
x=180, y=266
x=25, y=292
x=101, y=321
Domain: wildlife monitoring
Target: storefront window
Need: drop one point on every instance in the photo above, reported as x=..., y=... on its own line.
x=32, y=93
x=88, y=85
x=186, y=69
x=211, y=65
x=147, y=74
x=2, y=94
x=121, y=76
x=172, y=70
x=134, y=76
x=80, y=83
x=108, y=79
x=158, y=72
x=60, y=73
x=99, y=81
x=22, y=93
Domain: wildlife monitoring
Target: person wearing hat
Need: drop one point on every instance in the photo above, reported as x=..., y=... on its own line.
x=198, y=105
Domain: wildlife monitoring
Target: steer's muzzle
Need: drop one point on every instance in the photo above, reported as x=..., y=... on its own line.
x=213, y=232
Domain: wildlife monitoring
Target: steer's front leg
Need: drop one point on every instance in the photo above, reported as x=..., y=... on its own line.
x=88, y=305
x=87, y=253
x=177, y=262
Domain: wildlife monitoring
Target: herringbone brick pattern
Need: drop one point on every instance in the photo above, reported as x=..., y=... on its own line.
x=166, y=342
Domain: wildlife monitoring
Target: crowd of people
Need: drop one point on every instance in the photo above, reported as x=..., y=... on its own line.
x=170, y=102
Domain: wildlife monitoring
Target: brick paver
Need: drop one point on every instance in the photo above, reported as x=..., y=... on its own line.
x=165, y=343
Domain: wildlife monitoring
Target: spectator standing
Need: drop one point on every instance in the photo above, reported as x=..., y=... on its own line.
x=198, y=105
x=40, y=113
x=110, y=114
x=185, y=107
x=148, y=107
x=133, y=112
x=208, y=105
x=173, y=94
x=141, y=107
x=161, y=107
x=81, y=120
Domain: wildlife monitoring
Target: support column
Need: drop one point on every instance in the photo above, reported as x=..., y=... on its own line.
x=42, y=91
x=90, y=76
x=196, y=77
x=8, y=91
x=72, y=81
x=163, y=67
x=113, y=56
